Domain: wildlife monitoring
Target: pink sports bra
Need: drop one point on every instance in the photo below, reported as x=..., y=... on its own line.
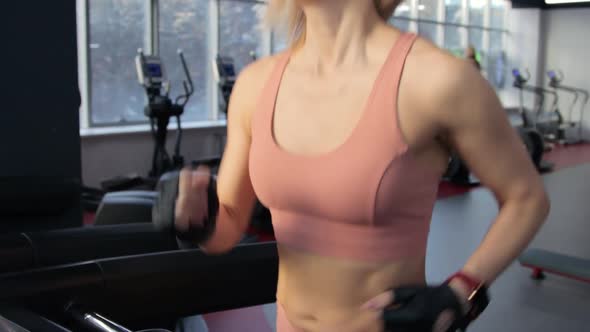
x=367, y=200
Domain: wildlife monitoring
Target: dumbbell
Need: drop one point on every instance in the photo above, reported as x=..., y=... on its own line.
x=163, y=211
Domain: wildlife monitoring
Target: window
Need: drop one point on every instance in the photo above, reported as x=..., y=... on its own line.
x=497, y=69
x=428, y=9
x=240, y=31
x=453, y=34
x=402, y=10
x=476, y=12
x=184, y=24
x=117, y=29
x=497, y=8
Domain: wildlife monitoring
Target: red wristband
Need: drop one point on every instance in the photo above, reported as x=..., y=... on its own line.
x=471, y=282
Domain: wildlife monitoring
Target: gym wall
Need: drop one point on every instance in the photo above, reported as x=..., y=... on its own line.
x=523, y=50
x=107, y=156
x=567, y=48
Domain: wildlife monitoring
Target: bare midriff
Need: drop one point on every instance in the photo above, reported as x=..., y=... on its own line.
x=324, y=294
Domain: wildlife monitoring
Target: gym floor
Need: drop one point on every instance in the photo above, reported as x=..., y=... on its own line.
x=460, y=220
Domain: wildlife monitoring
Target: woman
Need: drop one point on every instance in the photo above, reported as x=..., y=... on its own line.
x=344, y=137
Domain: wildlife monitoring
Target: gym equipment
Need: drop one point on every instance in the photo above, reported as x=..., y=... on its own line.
x=541, y=261
x=125, y=207
x=163, y=213
x=224, y=74
x=31, y=250
x=29, y=203
x=160, y=108
x=549, y=123
x=142, y=291
x=96, y=322
x=152, y=75
x=135, y=206
x=572, y=129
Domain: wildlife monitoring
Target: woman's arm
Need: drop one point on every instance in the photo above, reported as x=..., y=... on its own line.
x=473, y=121
x=234, y=189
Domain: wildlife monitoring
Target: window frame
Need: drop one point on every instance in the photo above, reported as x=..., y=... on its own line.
x=151, y=44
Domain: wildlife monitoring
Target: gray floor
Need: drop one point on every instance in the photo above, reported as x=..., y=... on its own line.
x=519, y=303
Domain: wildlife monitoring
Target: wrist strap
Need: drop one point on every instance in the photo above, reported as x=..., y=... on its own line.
x=478, y=298
x=472, y=282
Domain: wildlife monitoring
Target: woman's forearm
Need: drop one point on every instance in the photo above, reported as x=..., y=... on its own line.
x=519, y=220
x=229, y=229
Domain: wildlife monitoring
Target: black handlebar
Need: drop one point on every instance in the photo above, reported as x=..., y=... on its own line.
x=23, y=251
x=187, y=84
x=164, y=285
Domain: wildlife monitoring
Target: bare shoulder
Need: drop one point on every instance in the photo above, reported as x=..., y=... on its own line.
x=444, y=86
x=254, y=76
x=248, y=89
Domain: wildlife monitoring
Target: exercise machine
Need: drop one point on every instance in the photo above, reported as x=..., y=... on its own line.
x=572, y=128
x=119, y=204
x=224, y=73
x=140, y=291
x=543, y=261
x=550, y=124
x=160, y=108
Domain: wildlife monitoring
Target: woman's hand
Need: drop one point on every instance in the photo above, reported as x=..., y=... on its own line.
x=387, y=301
x=192, y=202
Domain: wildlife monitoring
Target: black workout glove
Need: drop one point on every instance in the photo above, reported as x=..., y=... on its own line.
x=416, y=309
x=163, y=211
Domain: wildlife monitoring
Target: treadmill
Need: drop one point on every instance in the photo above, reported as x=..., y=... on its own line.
x=139, y=289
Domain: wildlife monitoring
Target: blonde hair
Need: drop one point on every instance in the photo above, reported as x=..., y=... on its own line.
x=287, y=18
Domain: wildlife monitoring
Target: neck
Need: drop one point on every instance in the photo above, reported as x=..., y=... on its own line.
x=337, y=32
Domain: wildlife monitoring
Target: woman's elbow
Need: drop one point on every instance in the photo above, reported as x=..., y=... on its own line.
x=539, y=202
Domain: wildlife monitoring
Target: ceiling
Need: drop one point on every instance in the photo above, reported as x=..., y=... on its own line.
x=541, y=4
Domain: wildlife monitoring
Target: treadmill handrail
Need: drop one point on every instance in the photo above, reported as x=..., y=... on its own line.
x=31, y=250
x=187, y=281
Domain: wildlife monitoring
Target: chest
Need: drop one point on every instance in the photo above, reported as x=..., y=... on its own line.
x=315, y=116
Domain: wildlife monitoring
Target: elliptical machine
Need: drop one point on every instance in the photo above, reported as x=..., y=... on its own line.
x=160, y=108
x=224, y=73
x=549, y=123
x=572, y=129
x=130, y=200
